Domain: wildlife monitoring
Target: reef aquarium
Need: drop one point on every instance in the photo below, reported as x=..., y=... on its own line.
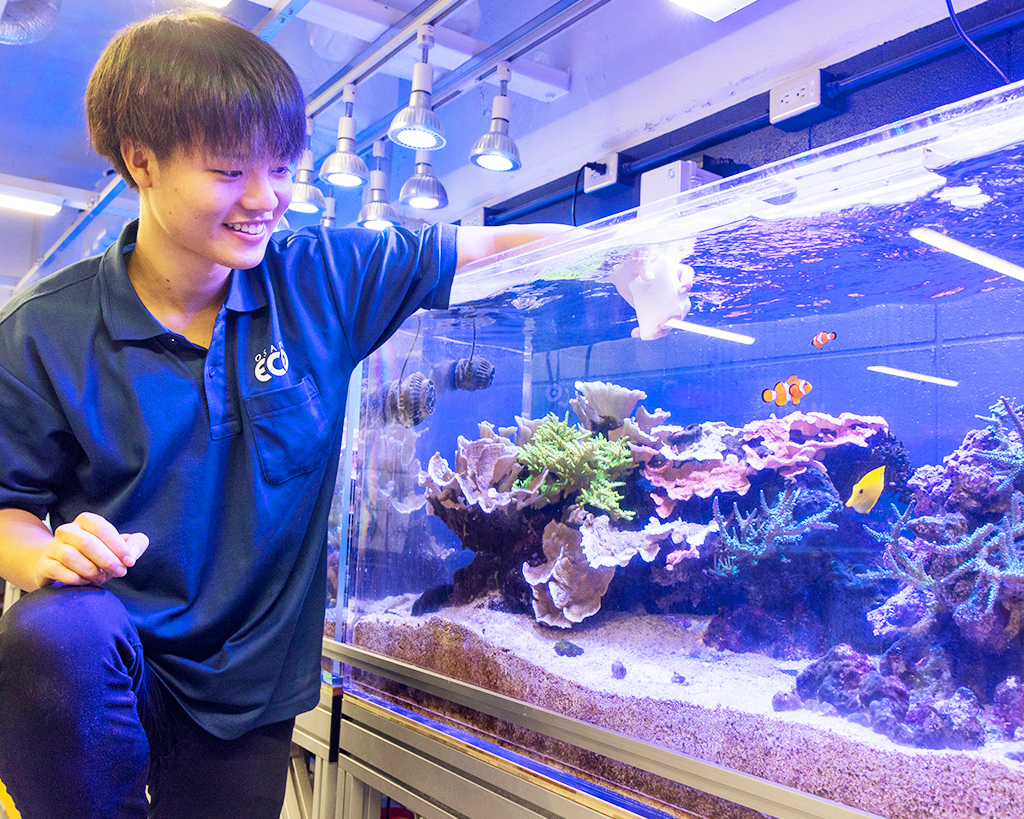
x=785, y=540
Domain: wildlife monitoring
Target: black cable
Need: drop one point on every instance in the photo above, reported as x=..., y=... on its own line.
x=387, y=809
x=970, y=43
x=575, y=192
x=600, y=167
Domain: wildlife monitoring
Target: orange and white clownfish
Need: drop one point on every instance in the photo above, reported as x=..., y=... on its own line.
x=822, y=338
x=792, y=388
x=867, y=490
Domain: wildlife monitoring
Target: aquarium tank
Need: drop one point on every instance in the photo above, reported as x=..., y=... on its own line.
x=786, y=538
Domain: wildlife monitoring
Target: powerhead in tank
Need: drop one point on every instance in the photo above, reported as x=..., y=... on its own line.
x=408, y=402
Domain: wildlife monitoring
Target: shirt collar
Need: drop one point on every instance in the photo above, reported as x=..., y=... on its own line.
x=125, y=315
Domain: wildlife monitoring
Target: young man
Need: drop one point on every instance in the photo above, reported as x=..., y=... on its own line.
x=175, y=408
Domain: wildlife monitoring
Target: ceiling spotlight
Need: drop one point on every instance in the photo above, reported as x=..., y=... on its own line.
x=377, y=213
x=306, y=197
x=496, y=150
x=713, y=10
x=423, y=190
x=345, y=168
x=282, y=226
x=329, y=217
x=417, y=126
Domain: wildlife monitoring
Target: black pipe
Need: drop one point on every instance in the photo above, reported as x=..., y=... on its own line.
x=835, y=89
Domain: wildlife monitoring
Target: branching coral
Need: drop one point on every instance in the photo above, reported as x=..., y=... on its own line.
x=761, y=533
x=992, y=556
x=561, y=460
x=1008, y=456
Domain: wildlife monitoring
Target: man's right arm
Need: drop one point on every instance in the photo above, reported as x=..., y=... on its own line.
x=87, y=551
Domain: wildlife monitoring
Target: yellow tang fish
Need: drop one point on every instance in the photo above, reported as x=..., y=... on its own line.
x=867, y=491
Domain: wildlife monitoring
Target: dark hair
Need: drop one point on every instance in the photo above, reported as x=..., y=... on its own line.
x=194, y=81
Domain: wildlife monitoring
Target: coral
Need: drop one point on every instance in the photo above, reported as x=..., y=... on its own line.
x=746, y=540
x=990, y=559
x=602, y=405
x=1008, y=456
x=561, y=460
x=702, y=460
x=566, y=588
x=484, y=476
x=798, y=441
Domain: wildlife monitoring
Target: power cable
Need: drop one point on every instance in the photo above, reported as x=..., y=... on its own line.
x=970, y=43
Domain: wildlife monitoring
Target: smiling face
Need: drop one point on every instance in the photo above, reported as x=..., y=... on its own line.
x=203, y=214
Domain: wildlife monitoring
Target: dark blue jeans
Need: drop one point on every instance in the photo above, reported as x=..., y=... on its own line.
x=85, y=725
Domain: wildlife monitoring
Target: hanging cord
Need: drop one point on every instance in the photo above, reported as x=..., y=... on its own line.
x=412, y=346
x=970, y=43
x=600, y=167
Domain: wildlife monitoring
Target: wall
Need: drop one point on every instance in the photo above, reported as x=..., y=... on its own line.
x=918, y=88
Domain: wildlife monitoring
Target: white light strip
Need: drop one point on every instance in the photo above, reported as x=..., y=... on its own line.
x=931, y=379
x=714, y=332
x=27, y=205
x=972, y=254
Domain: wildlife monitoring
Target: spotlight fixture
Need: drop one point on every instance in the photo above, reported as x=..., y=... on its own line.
x=345, y=168
x=329, y=217
x=496, y=150
x=423, y=190
x=282, y=226
x=713, y=10
x=377, y=213
x=306, y=197
x=417, y=126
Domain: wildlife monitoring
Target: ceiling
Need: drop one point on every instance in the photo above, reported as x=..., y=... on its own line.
x=626, y=72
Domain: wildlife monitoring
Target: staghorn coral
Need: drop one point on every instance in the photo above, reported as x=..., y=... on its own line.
x=746, y=540
x=990, y=558
x=1008, y=456
x=560, y=460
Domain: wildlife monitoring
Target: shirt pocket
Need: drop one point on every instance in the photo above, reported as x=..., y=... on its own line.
x=291, y=429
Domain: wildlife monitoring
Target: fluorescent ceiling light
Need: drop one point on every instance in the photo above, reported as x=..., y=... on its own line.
x=972, y=254
x=217, y=4
x=714, y=332
x=931, y=379
x=714, y=10
x=41, y=206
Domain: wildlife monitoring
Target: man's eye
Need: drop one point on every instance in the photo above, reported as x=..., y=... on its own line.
x=230, y=174
x=282, y=171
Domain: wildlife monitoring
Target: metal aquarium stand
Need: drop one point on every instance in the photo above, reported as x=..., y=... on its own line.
x=438, y=774
x=315, y=738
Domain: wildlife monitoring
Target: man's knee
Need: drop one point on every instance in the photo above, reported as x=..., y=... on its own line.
x=57, y=630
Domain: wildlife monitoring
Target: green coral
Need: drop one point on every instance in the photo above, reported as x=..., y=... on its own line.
x=568, y=459
x=762, y=532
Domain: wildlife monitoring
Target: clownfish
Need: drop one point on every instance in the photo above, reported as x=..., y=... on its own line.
x=867, y=491
x=792, y=388
x=822, y=338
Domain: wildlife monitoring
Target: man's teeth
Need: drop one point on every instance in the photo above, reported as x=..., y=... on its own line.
x=253, y=229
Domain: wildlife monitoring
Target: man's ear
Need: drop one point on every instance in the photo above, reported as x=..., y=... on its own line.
x=140, y=164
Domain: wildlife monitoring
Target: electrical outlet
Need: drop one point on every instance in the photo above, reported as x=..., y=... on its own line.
x=800, y=100
x=604, y=179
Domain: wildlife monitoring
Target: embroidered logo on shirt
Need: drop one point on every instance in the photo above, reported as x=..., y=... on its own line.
x=269, y=365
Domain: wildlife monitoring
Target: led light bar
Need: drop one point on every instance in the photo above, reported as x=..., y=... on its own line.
x=28, y=205
x=931, y=379
x=971, y=254
x=714, y=332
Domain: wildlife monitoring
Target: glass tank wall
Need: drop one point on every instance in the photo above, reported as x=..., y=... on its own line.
x=794, y=549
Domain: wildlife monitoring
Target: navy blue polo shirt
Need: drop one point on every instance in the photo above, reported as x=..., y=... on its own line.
x=226, y=458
